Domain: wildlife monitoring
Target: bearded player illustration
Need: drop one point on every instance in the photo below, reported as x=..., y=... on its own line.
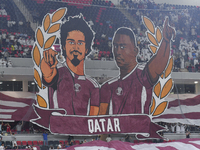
x=122, y=94
x=69, y=87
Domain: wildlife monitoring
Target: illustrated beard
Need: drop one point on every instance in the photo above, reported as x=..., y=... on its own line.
x=75, y=61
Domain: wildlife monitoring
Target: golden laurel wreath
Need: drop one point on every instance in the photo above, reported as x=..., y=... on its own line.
x=165, y=83
x=45, y=38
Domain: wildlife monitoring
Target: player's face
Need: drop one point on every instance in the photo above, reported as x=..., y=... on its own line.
x=124, y=50
x=75, y=47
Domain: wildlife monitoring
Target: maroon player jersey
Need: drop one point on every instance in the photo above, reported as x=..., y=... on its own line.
x=124, y=95
x=72, y=92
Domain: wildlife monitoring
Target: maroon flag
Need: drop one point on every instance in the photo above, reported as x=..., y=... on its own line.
x=16, y=109
x=183, y=110
x=184, y=144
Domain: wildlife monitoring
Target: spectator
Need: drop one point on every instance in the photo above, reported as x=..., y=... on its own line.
x=173, y=128
x=1, y=126
x=28, y=146
x=108, y=139
x=178, y=128
x=19, y=127
x=67, y=145
x=71, y=142
x=85, y=141
x=70, y=138
x=31, y=129
x=15, y=146
x=2, y=147
x=1, y=137
x=59, y=146
x=45, y=138
x=183, y=128
x=14, y=143
x=34, y=147
x=190, y=68
x=188, y=134
x=6, y=55
x=127, y=138
x=8, y=130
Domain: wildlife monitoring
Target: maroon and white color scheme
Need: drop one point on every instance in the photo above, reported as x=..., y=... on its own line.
x=18, y=107
x=55, y=120
x=184, y=110
x=185, y=144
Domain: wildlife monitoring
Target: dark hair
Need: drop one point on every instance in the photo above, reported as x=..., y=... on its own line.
x=76, y=23
x=128, y=32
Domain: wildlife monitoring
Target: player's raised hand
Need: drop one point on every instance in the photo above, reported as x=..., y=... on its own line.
x=48, y=65
x=168, y=31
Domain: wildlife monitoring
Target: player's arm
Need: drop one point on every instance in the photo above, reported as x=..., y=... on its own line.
x=103, y=109
x=159, y=61
x=94, y=110
x=105, y=95
x=48, y=65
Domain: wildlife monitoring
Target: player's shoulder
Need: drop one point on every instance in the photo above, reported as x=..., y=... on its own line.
x=60, y=65
x=93, y=81
x=141, y=66
x=111, y=81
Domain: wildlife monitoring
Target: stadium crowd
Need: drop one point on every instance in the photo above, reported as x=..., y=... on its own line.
x=18, y=128
x=185, y=49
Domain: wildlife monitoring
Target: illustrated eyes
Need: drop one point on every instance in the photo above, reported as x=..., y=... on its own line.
x=122, y=47
x=80, y=43
x=71, y=42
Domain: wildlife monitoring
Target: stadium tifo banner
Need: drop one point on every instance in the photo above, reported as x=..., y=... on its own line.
x=71, y=102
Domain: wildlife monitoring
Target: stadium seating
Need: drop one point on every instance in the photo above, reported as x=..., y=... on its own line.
x=19, y=143
x=30, y=143
x=50, y=143
x=35, y=143
x=24, y=143
x=40, y=143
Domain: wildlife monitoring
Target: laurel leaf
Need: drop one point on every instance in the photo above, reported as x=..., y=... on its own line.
x=158, y=35
x=157, y=89
x=49, y=42
x=40, y=37
x=160, y=109
x=46, y=22
x=54, y=28
x=149, y=24
x=41, y=101
x=36, y=55
x=152, y=39
x=58, y=15
x=153, y=105
x=153, y=48
x=167, y=88
x=37, y=78
x=169, y=67
x=162, y=75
